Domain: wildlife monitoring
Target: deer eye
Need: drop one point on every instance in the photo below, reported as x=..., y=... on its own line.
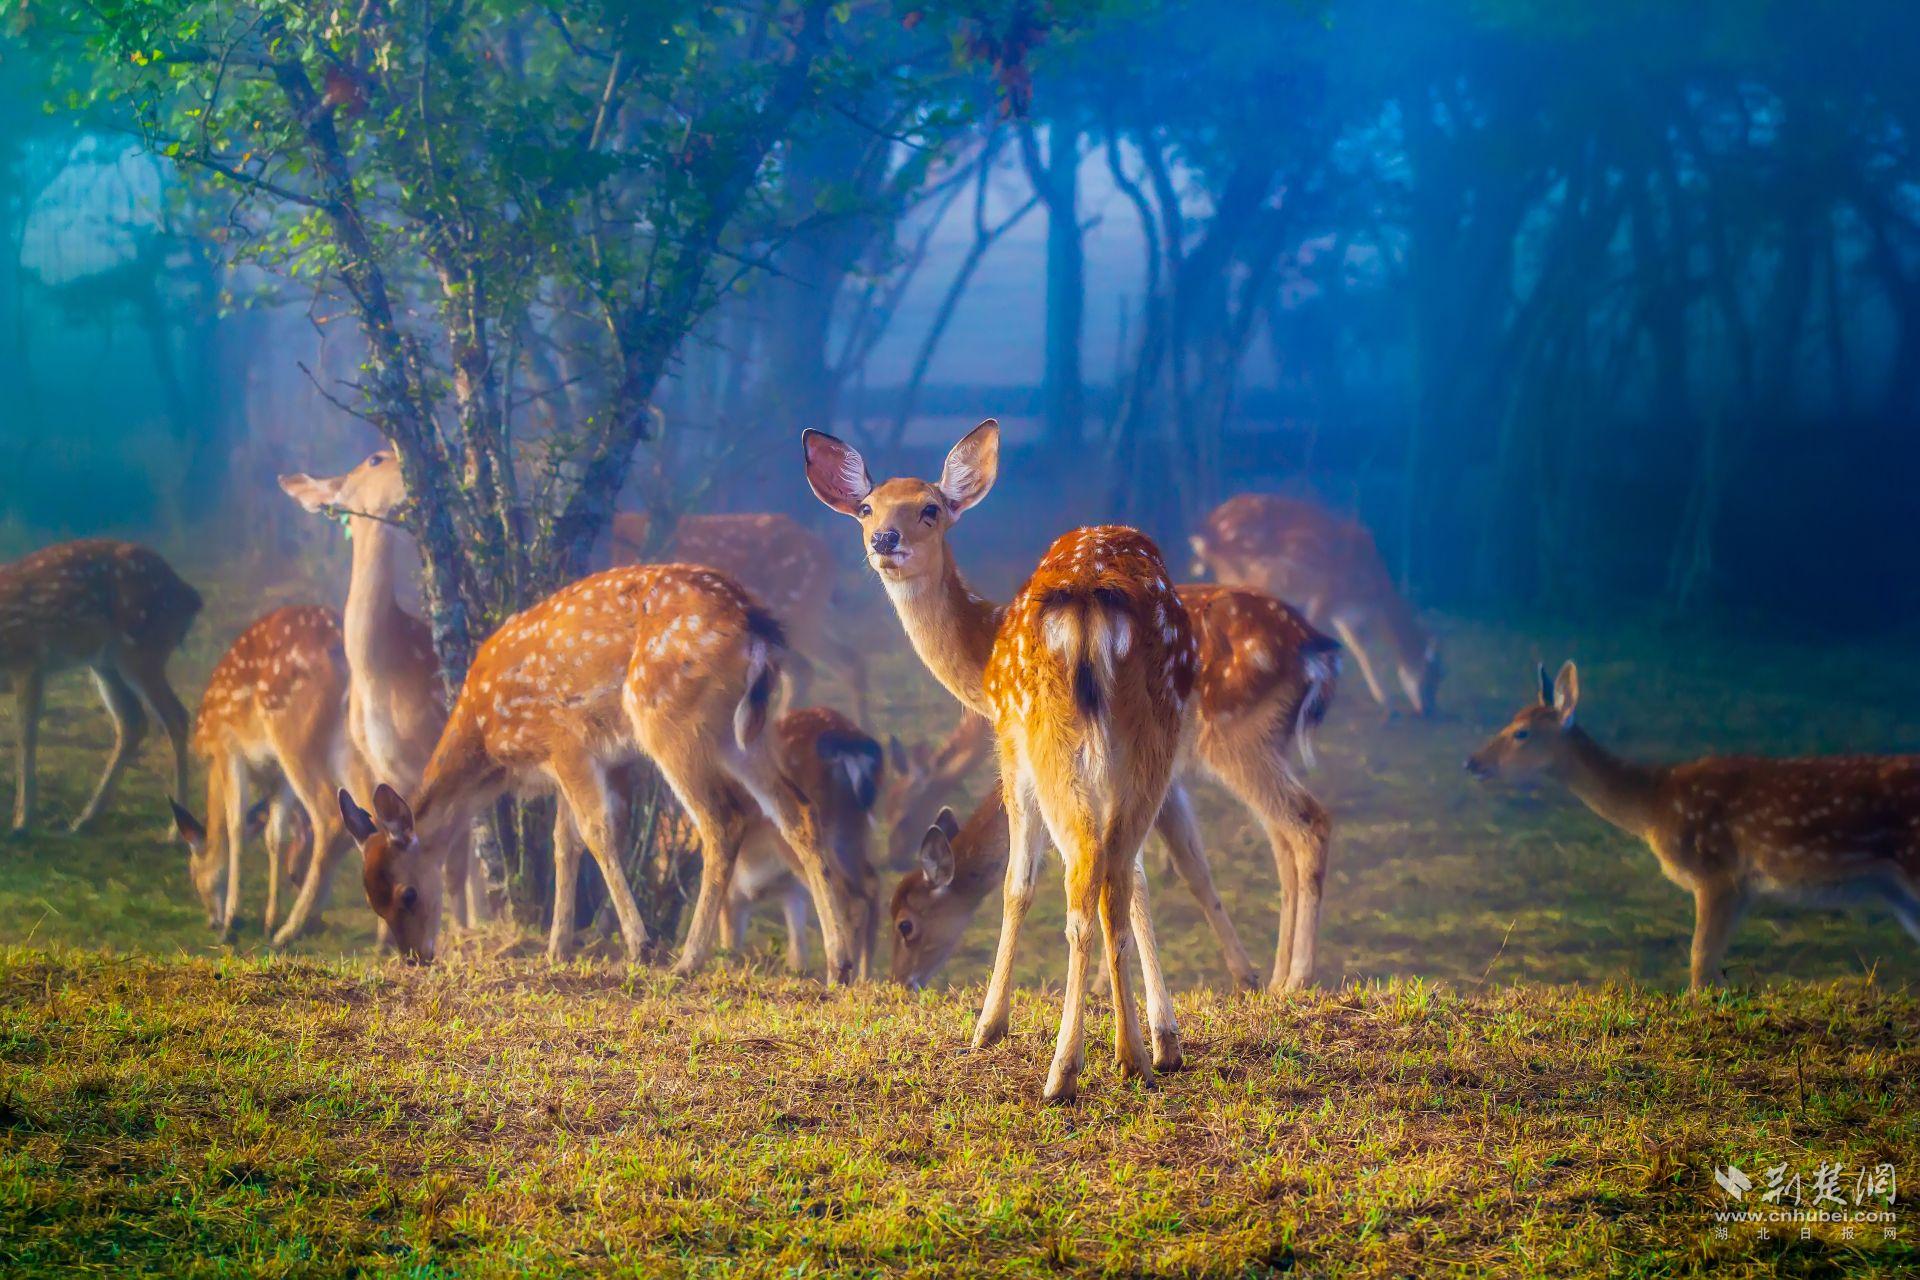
x=906, y=930
x=1520, y=735
x=866, y=509
x=930, y=512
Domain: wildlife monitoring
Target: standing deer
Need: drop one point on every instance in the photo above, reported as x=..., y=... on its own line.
x=675, y=663
x=838, y=768
x=1085, y=677
x=117, y=609
x=1331, y=568
x=1263, y=677
x=787, y=565
x=1841, y=829
x=275, y=712
x=396, y=705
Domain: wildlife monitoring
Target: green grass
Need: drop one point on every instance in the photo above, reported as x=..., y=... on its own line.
x=1498, y=1074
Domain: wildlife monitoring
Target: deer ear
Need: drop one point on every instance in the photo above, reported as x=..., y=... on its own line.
x=1546, y=686
x=835, y=471
x=313, y=494
x=1566, y=693
x=947, y=823
x=971, y=467
x=394, y=814
x=359, y=822
x=936, y=856
x=188, y=826
x=896, y=754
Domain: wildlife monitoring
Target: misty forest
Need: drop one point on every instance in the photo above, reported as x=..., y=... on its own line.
x=568, y=572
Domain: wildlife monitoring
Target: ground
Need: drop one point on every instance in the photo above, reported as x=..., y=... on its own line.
x=1499, y=1072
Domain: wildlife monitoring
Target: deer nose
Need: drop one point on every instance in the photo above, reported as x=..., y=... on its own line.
x=886, y=542
x=1476, y=768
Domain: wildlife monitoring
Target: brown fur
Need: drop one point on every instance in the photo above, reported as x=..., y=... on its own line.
x=116, y=608
x=274, y=712
x=779, y=560
x=1330, y=567
x=1726, y=828
x=651, y=660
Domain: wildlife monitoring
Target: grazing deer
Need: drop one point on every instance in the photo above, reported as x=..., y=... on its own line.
x=675, y=663
x=1264, y=681
x=1331, y=568
x=787, y=565
x=920, y=780
x=117, y=609
x=396, y=706
x=839, y=769
x=1263, y=678
x=275, y=712
x=1085, y=677
x=1834, y=830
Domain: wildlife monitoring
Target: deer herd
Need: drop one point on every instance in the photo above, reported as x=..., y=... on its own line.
x=1101, y=690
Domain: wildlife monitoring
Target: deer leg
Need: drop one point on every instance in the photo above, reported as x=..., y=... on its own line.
x=148, y=676
x=29, y=695
x=129, y=729
x=1716, y=910
x=713, y=806
x=798, y=909
x=583, y=788
x=1084, y=902
x=1161, y=1020
x=566, y=881
x=753, y=768
x=1176, y=825
x=309, y=758
x=236, y=819
x=1026, y=836
x=279, y=838
x=1351, y=639
x=1310, y=831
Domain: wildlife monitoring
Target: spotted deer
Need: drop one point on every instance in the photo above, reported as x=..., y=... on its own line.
x=1085, y=677
x=1264, y=678
x=274, y=715
x=1839, y=829
x=117, y=609
x=674, y=663
x=396, y=705
x=1329, y=567
x=787, y=565
x=832, y=762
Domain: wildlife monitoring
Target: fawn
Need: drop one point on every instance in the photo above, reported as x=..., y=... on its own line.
x=117, y=609
x=839, y=769
x=1330, y=567
x=674, y=663
x=1264, y=677
x=1265, y=680
x=396, y=704
x=1085, y=677
x=1827, y=830
x=275, y=711
x=787, y=565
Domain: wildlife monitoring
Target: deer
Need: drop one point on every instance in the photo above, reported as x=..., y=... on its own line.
x=115, y=608
x=787, y=565
x=274, y=713
x=396, y=703
x=1331, y=568
x=919, y=780
x=672, y=663
x=1085, y=677
x=1825, y=830
x=1265, y=678
x=839, y=769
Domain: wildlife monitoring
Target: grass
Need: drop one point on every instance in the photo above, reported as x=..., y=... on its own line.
x=1498, y=1074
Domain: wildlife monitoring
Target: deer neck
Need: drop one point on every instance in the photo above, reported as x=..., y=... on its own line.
x=951, y=626
x=1617, y=790
x=460, y=778
x=374, y=624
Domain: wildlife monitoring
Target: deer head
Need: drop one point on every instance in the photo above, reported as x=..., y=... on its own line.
x=929, y=917
x=904, y=522
x=208, y=868
x=1535, y=740
x=402, y=877
x=373, y=488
